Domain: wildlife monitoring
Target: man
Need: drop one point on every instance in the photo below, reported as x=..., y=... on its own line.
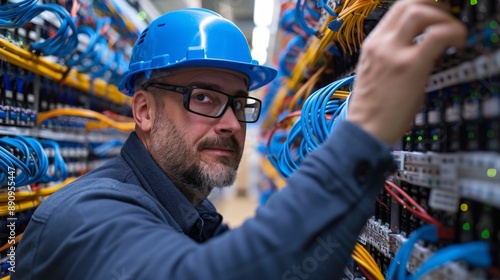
x=144, y=214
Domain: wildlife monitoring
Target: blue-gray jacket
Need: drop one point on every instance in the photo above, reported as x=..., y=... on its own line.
x=126, y=220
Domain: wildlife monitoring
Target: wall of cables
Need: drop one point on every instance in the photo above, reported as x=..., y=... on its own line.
x=437, y=216
x=61, y=114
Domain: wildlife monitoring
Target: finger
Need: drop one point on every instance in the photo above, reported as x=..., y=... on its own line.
x=409, y=18
x=415, y=21
x=440, y=37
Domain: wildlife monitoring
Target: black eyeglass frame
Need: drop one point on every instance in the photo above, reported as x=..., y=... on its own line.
x=187, y=90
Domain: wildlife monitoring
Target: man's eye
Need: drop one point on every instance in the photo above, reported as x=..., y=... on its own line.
x=201, y=97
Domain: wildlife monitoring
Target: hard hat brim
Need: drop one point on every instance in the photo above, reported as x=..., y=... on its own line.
x=258, y=75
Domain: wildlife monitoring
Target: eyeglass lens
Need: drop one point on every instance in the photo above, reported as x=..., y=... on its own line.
x=212, y=103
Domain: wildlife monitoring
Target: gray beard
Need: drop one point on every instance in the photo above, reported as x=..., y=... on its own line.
x=194, y=178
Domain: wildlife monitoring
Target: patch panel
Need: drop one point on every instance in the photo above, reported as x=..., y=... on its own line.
x=449, y=159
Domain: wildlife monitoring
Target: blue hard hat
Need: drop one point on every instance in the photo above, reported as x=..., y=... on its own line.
x=193, y=37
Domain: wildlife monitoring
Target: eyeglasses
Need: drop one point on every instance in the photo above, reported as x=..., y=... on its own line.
x=213, y=103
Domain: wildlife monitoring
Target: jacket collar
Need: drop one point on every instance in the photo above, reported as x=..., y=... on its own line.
x=199, y=223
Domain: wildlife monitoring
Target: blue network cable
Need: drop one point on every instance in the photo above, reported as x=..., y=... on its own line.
x=7, y=162
x=316, y=129
x=323, y=5
x=20, y=163
x=65, y=41
x=60, y=168
x=4, y=168
x=105, y=148
x=107, y=59
x=7, y=81
x=118, y=67
x=96, y=56
x=93, y=36
x=476, y=253
x=288, y=57
x=11, y=13
x=288, y=162
x=27, y=156
x=427, y=233
x=38, y=162
x=300, y=19
x=311, y=129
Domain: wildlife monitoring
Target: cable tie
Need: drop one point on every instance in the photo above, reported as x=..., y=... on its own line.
x=64, y=75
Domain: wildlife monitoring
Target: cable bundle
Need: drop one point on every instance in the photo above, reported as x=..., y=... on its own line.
x=64, y=41
x=297, y=18
x=97, y=58
x=404, y=199
x=475, y=253
x=350, y=22
x=27, y=156
x=289, y=56
x=366, y=263
x=75, y=112
x=300, y=18
x=317, y=106
x=318, y=118
x=11, y=14
x=121, y=22
x=60, y=170
x=93, y=38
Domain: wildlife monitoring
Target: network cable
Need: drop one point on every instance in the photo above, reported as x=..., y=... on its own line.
x=474, y=253
x=21, y=164
x=106, y=147
x=11, y=13
x=300, y=19
x=427, y=233
x=366, y=263
x=318, y=118
x=64, y=41
x=125, y=126
x=60, y=170
x=38, y=163
x=323, y=4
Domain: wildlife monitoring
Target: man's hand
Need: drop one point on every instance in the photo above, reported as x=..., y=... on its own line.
x=393, y=70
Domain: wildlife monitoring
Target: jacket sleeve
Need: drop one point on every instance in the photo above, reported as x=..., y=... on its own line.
x=305, y=231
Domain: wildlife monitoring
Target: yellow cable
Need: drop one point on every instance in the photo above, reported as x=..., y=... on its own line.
x=42, y=66
x=365, y=254
x=7, y=245
x=30, y=65
x=277, y=107
x=311, y=55
x=367, y=267
x=124, y=126
x=37, y=60
x=272, y=173
x=353, y=13
x=42, y=192
x=305, y=89
x=21, y=206
x=6, y=278
x=92, y=125
x=368, y=262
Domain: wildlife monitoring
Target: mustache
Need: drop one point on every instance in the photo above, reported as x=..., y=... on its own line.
x=227, y=143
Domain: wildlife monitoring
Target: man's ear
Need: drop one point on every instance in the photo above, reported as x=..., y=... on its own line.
x=143, y=109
